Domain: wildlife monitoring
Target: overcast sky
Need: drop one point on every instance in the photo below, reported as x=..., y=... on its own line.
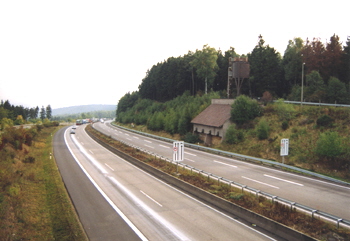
x=67, y=53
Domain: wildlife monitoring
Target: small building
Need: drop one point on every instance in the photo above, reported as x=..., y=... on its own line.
x=214, y=120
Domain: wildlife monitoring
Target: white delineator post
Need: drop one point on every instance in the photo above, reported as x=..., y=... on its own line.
x=178, y=152
x=284, y=148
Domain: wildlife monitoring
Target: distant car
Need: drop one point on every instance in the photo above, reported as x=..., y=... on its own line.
x=74, y=127
x=72, y=131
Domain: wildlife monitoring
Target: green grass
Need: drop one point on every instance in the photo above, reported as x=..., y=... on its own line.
x=34, y=204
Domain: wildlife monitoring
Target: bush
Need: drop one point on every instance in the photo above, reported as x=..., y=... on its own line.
x=285, y=111
x=329, y=145
x=325, y=121
x=263, y=129
x=285, y=125
x=191, y=138
x=245, y=109
x=233, y=135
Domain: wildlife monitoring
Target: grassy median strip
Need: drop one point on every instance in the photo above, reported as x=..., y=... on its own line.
x=285, y=215
x=34, y=204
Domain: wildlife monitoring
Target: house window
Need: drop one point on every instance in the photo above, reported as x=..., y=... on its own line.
x=218, y=134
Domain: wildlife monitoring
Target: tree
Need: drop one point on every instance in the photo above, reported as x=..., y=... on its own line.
x=204, y=62
x=345, y=71
x=265, y=69
x=42, y=113
x=316, y=89
x=333, y=58
x=245, y=109
x=292, y=61
x=314, y=56
x=48, y=112
x=336, y=91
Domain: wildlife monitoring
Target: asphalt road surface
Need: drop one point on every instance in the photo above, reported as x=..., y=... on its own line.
x=117, y=201
x=320, y=195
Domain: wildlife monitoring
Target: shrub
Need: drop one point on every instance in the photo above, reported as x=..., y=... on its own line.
x=325, y=121
x=191, y=138
x=245, y=109
x=285, y=125
x=329, y=145
x=263, y=129
x=285, y=111
x=233, y=135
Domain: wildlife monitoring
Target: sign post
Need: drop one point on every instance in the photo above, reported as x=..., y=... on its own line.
x=178, y=152
x=284, y=148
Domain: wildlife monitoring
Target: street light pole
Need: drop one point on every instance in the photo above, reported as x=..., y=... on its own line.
x=302, y=85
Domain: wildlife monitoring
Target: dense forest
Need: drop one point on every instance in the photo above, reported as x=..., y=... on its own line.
x=325, y=68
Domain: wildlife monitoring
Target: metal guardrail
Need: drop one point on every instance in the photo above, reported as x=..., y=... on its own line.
x=240, y=157
x=314, y=103
x=313, y=212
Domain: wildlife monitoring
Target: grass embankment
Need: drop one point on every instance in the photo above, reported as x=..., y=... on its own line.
x=300, y=128
x=282, y=214
x=34, y=204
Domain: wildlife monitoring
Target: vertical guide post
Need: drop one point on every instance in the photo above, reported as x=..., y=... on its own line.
x=284, y=148
x=178, y=152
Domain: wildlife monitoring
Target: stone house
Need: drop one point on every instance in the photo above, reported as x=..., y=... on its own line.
x=213, y=122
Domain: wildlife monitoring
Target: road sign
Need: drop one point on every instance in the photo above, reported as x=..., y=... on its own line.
x=178, y=151
x=284, y=147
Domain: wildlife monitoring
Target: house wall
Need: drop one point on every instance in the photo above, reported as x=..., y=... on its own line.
x=208, y=130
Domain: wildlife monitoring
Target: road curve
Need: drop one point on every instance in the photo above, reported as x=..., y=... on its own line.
x=95, y=213
x=320, y=195
x=159, y=211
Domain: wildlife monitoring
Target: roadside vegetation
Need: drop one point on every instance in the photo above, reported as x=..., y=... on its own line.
x=34, y=204
x=318, y=136
x=273, y=210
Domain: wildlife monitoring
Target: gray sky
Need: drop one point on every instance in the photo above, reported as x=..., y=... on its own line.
x=67, y=53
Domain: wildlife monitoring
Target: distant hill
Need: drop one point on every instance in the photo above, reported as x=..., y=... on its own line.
x=82, y=109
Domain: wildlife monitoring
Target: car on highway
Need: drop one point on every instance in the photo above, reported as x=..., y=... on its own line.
x=72, y=131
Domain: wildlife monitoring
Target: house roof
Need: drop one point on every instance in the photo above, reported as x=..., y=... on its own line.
x=214, y=115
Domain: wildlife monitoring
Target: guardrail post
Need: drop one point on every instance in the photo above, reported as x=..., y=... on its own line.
x=257, y=193
x=313, y=212
x=338, y=221
x=273, y=199
x=244, y=186
x=291, y=206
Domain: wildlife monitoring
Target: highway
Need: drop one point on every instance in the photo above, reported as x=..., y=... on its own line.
x=319, y=194
x=117, y=201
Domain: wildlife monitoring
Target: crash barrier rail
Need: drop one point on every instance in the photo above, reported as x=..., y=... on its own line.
x=240, y=157
x=312, y=211
x=243, y=215
x=314, y=103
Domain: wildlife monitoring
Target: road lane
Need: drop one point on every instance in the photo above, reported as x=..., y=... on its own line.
x=164, y=213
x=321, y=195
x=95, y=213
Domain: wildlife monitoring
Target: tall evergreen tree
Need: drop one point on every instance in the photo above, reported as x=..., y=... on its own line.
x=265, y=69
x=333, y=58
x=48, y=112
x=42, y=113
x=292, y=62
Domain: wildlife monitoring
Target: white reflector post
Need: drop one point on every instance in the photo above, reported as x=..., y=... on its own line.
x=284, y=147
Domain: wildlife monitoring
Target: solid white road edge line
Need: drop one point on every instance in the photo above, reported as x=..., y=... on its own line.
x=121, y=214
